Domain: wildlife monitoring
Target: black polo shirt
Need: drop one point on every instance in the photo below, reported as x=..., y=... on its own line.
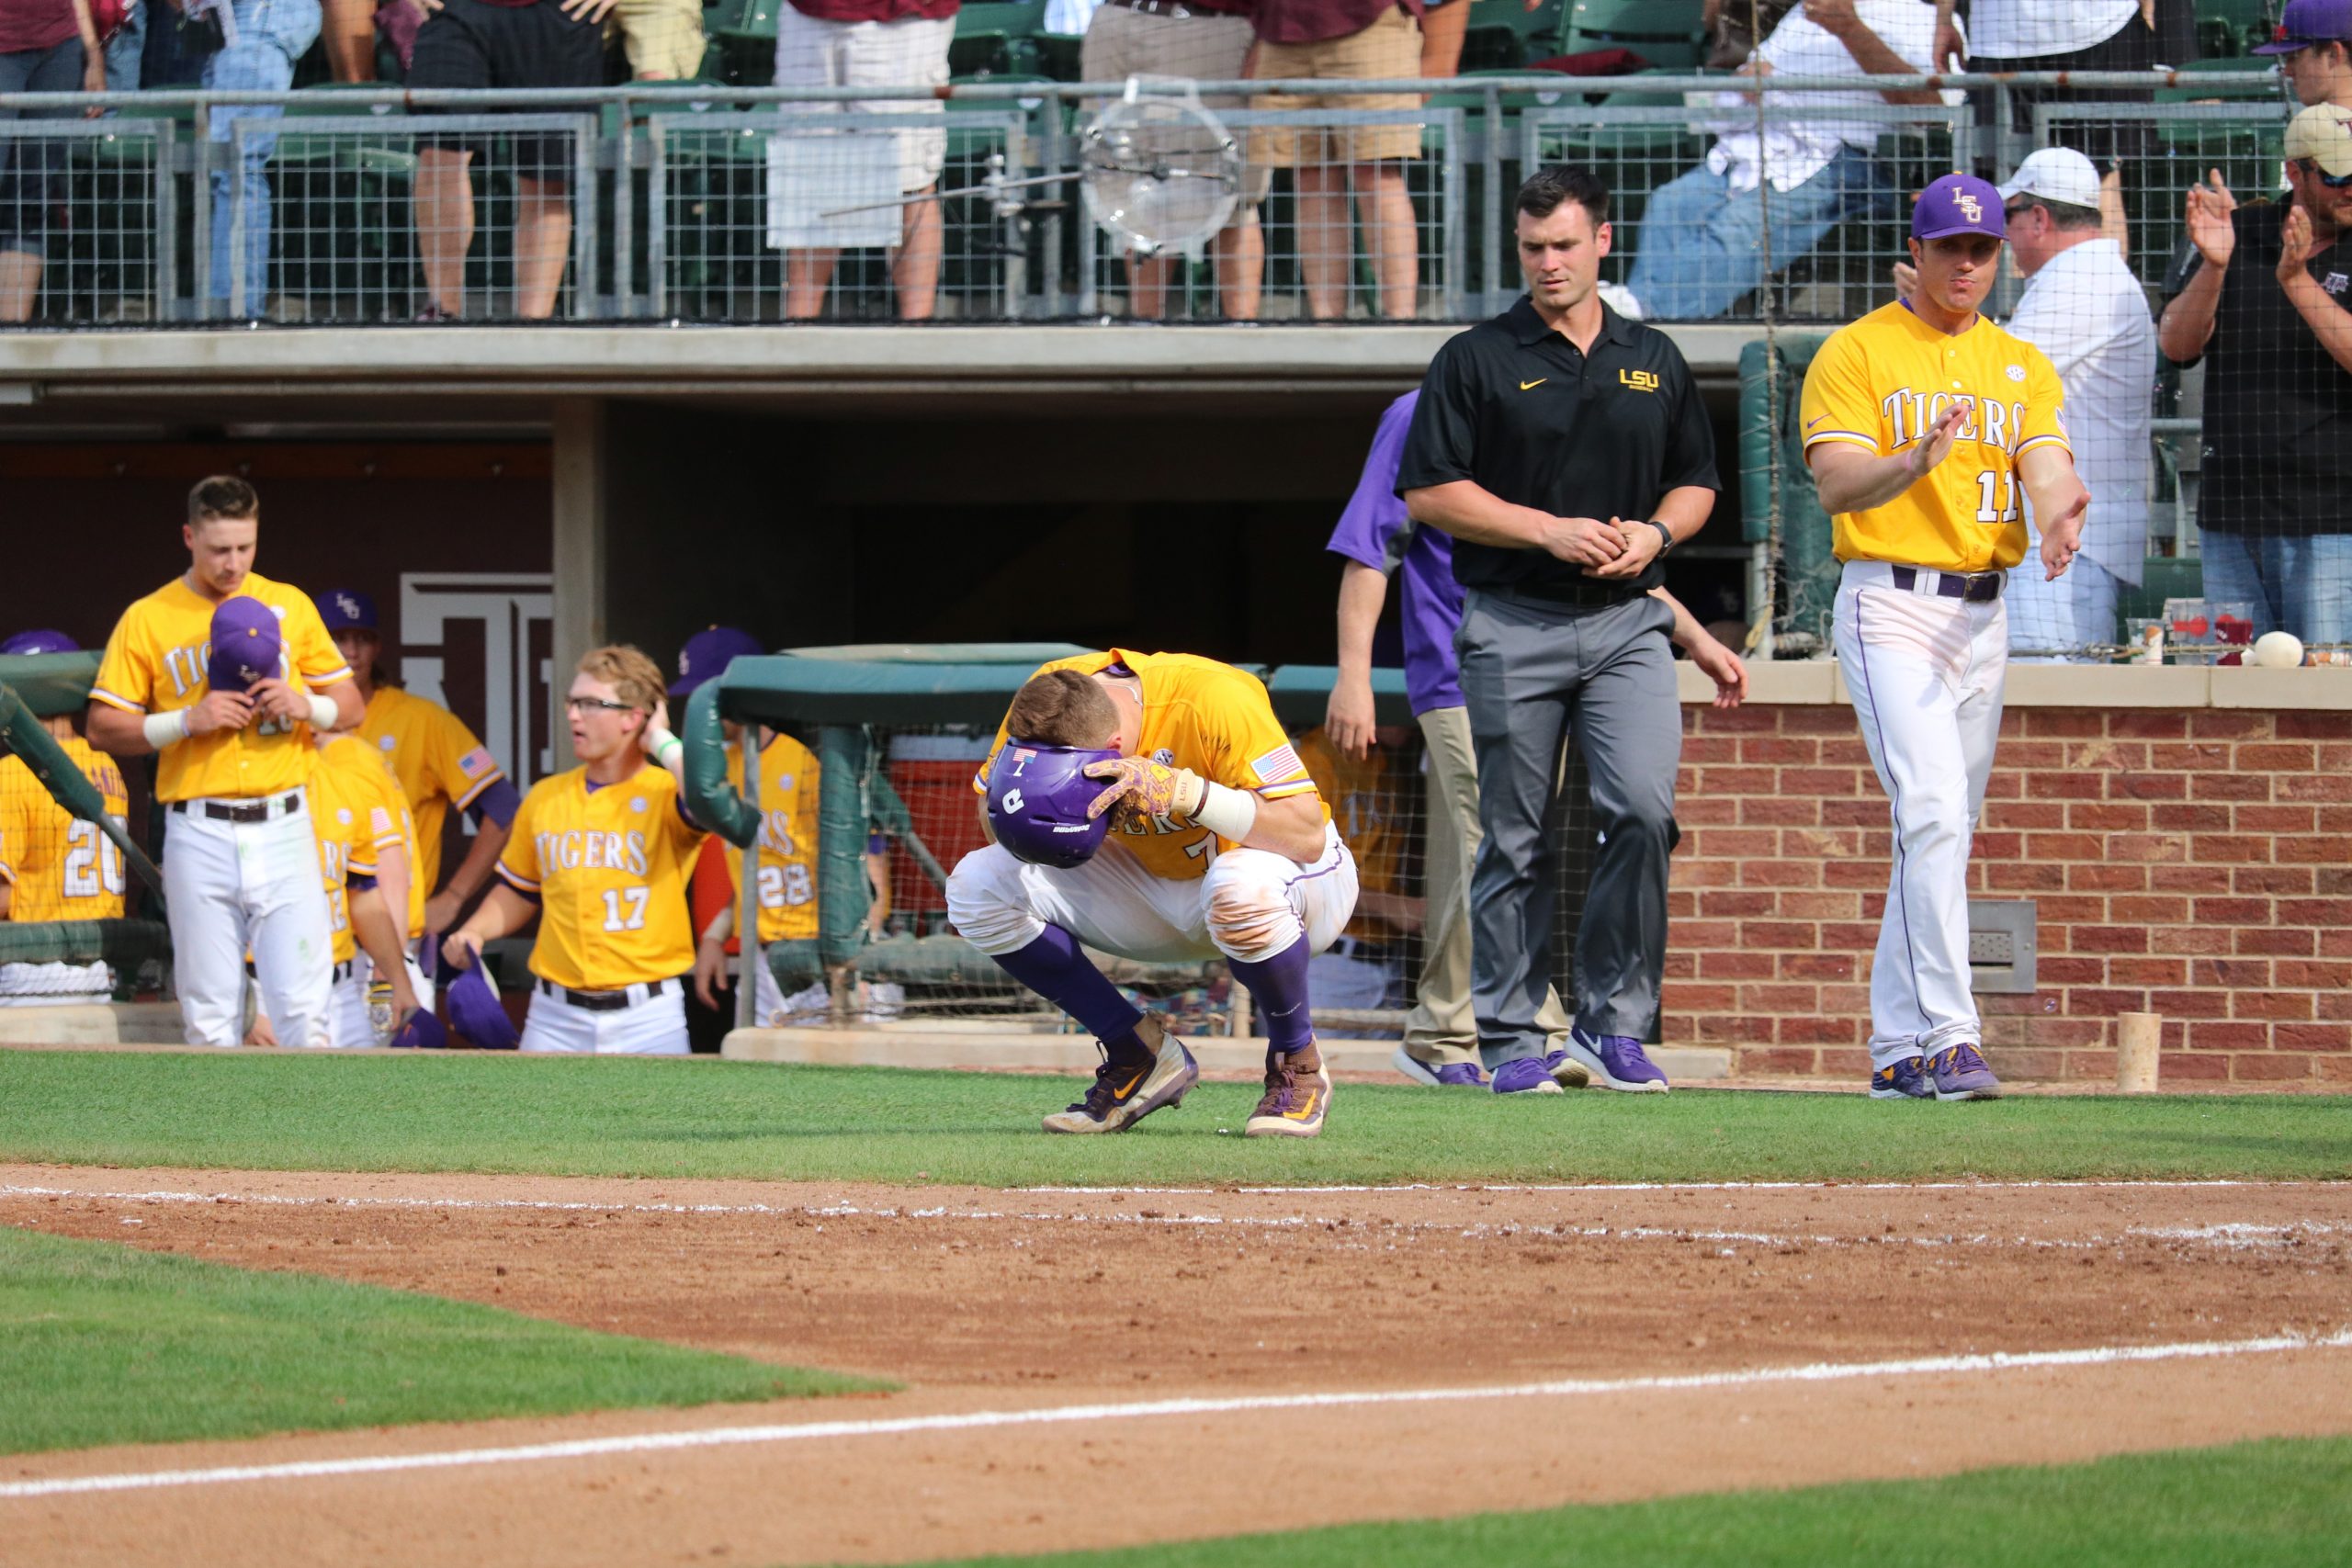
x=2277, y=436
x=1515, y=407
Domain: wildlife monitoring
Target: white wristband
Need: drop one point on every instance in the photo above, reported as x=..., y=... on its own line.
x=662, y=741
x=323, y=714
x=164, y=729
x=1230, y=813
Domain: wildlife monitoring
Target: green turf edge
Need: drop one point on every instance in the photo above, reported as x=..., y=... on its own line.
x=104, y=1344
x=2277, y=1501
x=490, y=1112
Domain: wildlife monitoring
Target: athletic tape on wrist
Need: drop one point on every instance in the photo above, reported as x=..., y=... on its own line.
x=323, y=713
x=162, y=729
x=1230, y=813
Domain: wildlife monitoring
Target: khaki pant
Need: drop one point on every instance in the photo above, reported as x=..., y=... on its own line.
x=664, y=38
x=1388, y=49
x=1441, y=1028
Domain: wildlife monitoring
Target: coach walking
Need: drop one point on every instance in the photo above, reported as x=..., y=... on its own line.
x=1565, y=449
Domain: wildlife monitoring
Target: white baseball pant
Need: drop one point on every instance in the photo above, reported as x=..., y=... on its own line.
x=233, y=887
x=352, y=1027
x=650, y=1025
x=1251, y=904
x=1925, y=675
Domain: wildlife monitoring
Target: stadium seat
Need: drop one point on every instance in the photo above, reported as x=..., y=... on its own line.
x=2229, y=27
x=1670, y=34
x=742, y=46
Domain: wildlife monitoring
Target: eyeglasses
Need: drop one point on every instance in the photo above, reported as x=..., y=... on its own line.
x=2011, y=214
x=2333, y=182
x=583, y=705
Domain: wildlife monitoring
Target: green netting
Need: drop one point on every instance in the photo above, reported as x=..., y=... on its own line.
x=125, y=946
x=52, y=684
x=1808, y=570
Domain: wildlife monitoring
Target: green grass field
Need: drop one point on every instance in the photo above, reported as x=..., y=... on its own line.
x=476, y=1112
x=110, y=1345
x=2279, y=1502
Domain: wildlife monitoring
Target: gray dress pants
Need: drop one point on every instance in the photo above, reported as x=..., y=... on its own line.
x=1534, y=675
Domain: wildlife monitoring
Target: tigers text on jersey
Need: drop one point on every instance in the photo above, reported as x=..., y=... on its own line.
x=440, y=765
x=609, y=867
x=155, y=662
x=1879, y=383
x=787, y=890
x=62, y=868
x=355, y=812
x=1202, y=715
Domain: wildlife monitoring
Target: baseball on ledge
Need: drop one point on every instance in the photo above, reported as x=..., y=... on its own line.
x=2276, y=650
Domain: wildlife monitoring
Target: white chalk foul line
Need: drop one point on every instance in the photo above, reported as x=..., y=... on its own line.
x=731, y=1437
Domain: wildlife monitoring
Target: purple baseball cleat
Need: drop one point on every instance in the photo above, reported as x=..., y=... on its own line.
x=1960, y=1073
x=1616, y=1061
x=1905, y=1079
x=1527, y=1075
x=1451, y=1075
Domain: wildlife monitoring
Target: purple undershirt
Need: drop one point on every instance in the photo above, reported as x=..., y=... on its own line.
x=1374, y=531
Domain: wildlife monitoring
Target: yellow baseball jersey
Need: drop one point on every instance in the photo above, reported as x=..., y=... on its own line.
x=352, y=817
x=610, y=866
x=361, y=780
x=1199, y=715
x=440, y=765
x=155, y=662
x=788, y=863
x=1365, y=799
x=1880, y=382
x=60, y=868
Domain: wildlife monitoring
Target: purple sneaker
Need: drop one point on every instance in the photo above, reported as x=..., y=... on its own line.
x=1960, y=1074
x=1527, y=1075
x=1907, y=1079
x=1452, y=1074
x=1616, y=1062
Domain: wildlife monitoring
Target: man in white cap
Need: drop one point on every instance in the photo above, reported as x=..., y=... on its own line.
x=2263, y=300
x=2084, y=310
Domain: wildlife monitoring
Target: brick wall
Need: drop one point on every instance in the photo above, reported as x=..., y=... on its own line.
x=2193, y=864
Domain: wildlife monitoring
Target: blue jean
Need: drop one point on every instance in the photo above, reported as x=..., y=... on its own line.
x=1702, y=243
x=271, y=36
x=2304, y=586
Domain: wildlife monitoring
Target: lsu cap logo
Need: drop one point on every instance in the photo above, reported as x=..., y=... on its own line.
x=1970, y=208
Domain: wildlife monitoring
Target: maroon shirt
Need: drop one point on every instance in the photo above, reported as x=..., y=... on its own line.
x=876, y=10
x=27, y=27
x=1313, y=21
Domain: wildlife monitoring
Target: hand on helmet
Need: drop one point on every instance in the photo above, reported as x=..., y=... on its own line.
x=1141, y=789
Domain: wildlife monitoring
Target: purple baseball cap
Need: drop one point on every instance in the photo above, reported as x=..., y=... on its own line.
x=708, y=653
x=422, y=1032
x=40, y=641
x=245, y=646
x=346, y=609
x=2307, y=22
x=1957, y=204
x=476, y=1012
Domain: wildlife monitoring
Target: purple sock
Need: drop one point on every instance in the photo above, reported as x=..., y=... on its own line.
x=1054, y=968
x=1278, y=985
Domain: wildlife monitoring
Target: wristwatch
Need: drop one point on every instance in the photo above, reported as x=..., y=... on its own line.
x=1666, y=538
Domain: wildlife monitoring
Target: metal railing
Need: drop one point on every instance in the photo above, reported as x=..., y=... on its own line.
x=357, y=205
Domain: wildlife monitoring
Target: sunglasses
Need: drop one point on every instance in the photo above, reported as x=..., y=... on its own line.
x=2333, y=182
x=598, y=704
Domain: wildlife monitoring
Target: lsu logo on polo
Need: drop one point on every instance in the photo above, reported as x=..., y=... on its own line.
x=1640, y=380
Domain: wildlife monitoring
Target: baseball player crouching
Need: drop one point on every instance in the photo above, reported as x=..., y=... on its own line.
x=604, y=851
x=1151, y=804
x=1923, y=424
x=53, y=866
x=217, y=671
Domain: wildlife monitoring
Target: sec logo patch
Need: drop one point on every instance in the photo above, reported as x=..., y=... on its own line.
x=2016, y=372
x=637, y=804
x=386, y=744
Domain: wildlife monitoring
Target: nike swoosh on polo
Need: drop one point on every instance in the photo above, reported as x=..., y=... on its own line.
x=1527, y=386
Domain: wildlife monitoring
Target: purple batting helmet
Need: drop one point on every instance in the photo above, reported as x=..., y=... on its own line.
x=708, y=653
x=422, y=1031
x=1038, y=800
x=245, y=646
x=41, y=641
x=476, y=1012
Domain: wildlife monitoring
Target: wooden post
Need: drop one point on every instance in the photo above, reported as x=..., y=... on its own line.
x=2136, y=1038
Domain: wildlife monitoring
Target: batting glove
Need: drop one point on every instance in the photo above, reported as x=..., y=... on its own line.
x=1142, y=789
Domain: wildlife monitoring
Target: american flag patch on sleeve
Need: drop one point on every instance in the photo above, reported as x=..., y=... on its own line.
x=1277, y=765
x=477, y=762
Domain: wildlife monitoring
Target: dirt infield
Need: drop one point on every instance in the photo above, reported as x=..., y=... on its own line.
x=1019, y=1302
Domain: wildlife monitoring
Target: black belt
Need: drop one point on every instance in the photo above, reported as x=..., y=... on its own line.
x=258, y=812
x=343, y=972
x=1972, y=587
x=1168, y=8
x=601, y=1001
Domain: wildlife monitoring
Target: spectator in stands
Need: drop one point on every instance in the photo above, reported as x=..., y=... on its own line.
x=2073, y=35
x=2313, y=43
x=1318, y=39
x=2084, y=308
x=46, y=46
x=1373, y=799
x=1703, y=242
x=259, y=42
x=502, y=43
x=1208, y=41
x=348, y=32
x=874, y=44
x=663, y=39
x=125, y=48
x=2262, y=298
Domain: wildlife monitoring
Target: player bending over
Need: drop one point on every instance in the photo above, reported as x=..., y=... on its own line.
x=1149, y=804
x=602, y=851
